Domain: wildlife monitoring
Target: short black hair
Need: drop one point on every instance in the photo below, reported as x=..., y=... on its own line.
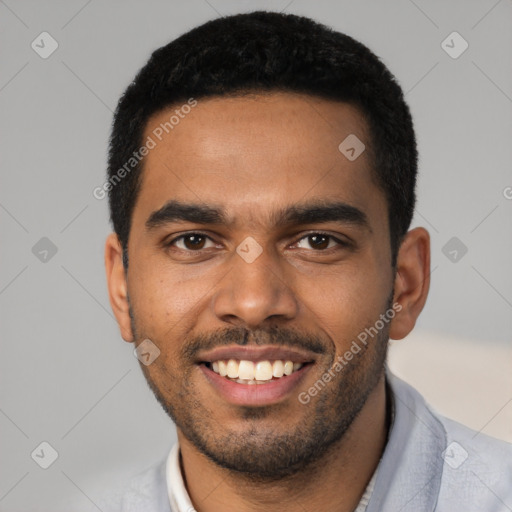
x=266, y=51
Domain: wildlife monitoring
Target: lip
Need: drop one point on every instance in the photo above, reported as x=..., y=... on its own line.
x=255, y=394
x=259, y=353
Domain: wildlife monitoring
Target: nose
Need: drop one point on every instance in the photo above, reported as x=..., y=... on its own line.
x=255, y=292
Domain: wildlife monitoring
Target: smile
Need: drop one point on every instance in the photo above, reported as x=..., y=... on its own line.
x=254, y=372
x=255, y=375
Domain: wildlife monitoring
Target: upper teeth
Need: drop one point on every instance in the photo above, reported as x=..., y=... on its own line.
x=254, y=370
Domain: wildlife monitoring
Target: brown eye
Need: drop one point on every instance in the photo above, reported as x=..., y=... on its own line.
x=194, y=241
x=319, y=242
x=191, y=242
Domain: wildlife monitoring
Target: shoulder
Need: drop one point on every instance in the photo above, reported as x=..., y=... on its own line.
x=144, y=492
x=472, y=472
x=477, y=463
x=477, y=469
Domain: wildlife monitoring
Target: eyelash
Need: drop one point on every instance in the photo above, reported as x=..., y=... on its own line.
x=340, y=243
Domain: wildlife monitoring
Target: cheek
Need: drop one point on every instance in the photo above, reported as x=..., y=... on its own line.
x=165, y=299
x=344, y=302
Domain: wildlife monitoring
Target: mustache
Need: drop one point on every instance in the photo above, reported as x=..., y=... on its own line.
x=243, y=336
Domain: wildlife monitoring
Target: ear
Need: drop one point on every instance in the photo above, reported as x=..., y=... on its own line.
x=412, y=281
x=117, y=285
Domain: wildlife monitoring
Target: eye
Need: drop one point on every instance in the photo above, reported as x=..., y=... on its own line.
x=192, y=242
x=319, y=241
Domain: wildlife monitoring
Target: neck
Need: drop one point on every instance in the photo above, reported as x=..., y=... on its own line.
x=334, y=483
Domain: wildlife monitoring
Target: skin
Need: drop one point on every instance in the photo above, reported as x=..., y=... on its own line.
x=252, y=155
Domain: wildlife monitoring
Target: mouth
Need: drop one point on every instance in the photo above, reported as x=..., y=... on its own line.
x=254, y=372
x=255, y=375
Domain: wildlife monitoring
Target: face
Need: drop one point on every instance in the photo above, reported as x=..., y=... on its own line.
x=256, y=248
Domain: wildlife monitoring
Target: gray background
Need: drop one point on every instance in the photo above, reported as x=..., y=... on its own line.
x=67, y=377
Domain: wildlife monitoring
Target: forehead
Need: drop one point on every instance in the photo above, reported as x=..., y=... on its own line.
x=252, y=152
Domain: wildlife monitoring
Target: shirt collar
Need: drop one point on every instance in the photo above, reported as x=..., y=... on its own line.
x=412, y=465
x=178, y=495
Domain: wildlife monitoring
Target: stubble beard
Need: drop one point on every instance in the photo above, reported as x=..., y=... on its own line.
x=257, y=452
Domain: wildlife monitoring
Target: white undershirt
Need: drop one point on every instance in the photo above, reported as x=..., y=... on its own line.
x=180, y=500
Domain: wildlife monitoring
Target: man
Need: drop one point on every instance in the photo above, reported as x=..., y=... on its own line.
x=262, y=178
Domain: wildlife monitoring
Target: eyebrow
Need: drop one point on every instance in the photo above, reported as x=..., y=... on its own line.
x=306, y=213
